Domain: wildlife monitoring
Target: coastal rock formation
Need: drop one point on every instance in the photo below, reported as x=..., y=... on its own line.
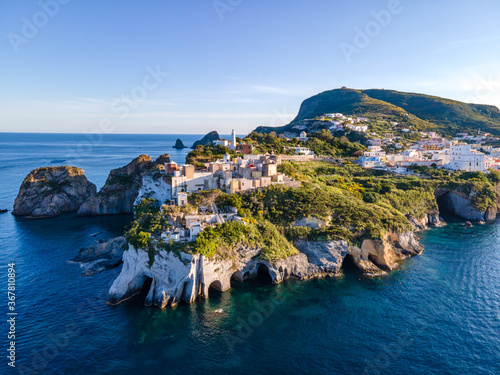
x=51, y=191
x=207, y=139
x=122, y=186
x=155, y=188
x=311, y=222
x=179, y=145
x=101, y=257
x=459, y=203
x=430, y=219
x=171, y=278
x=377, y=257
x=324, y=257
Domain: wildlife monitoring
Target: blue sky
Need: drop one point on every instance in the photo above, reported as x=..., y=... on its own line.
x=201, y=65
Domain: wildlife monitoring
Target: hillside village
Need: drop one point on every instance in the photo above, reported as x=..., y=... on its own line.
x=394, y=153
x=245, y=170
x=176, y=183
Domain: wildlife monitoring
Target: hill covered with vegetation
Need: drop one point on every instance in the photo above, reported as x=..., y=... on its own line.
x=354, y=203
x=415, y=111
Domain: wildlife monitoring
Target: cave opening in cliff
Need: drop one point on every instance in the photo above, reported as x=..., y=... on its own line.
x=378, y=263
x=215, y=289
x=445, y=203
x=263, y=276
x=348, y=263
x=146, y=286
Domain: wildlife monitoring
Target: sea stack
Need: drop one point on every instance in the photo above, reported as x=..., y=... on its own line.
x=179, y=145
x=51, y=191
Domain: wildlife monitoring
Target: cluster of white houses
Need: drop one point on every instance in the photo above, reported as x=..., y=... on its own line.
x=191, y=225
x=230, y=175
x=436, y=152
x=341, y=122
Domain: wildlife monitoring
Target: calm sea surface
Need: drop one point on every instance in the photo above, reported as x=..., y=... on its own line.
x=438, y=314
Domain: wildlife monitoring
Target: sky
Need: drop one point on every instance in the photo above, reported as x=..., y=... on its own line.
x=193, y=66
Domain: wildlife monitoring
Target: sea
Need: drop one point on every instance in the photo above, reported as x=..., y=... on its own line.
x=439, y=313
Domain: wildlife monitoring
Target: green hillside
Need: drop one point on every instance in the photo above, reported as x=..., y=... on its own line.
x=416, y=111
x=445, y=113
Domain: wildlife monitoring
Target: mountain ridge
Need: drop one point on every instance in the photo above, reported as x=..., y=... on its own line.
x=418, y=111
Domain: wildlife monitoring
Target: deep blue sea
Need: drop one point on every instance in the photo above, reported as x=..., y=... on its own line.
x=438, y=314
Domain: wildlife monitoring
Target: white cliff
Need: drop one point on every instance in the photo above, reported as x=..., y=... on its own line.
x=155, y=188
x=185, y=277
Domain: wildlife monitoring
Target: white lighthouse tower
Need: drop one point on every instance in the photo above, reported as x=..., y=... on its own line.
x=233, y=141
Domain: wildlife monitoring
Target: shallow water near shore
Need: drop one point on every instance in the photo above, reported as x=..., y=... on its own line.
x=438, y=314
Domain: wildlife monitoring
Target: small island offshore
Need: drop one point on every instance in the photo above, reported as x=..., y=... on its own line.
x=346, y=184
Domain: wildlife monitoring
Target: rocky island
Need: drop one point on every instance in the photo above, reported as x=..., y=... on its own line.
x=51, y=191
x=179, y=145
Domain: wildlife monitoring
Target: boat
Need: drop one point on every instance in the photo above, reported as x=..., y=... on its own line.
x=3, y=211
x=468, y=224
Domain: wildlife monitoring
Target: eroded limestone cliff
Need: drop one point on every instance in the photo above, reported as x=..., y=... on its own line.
x=174, y=277
x=460, y=203
x=122, y=186
x=184, y=277
x=379, y=256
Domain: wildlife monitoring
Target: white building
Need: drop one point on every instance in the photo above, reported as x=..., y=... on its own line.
x=303, y=136
x=371, y=162
x=358, y=128
x=334, y=115
x=375, y=158
x=375, y=151
x=464, y=158
x=194, y=230
x=221, y=142
x=233, y=140
x=302, y=151
x=182, y=198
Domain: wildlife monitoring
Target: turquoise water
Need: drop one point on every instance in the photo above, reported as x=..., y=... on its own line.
x=438, y=314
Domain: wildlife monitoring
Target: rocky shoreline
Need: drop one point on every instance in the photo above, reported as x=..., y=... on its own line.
x=174, y=277
x=101, y=257
x=171, y=277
